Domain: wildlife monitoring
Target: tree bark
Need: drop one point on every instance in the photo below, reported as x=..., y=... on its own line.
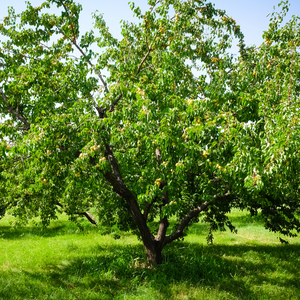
x=153, y=253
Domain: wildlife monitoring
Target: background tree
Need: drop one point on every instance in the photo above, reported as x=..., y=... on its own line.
x=150, y=141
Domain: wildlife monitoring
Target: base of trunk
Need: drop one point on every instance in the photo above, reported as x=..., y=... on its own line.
x=154, y=256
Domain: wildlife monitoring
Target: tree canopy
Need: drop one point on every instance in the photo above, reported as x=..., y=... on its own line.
x=151, y=140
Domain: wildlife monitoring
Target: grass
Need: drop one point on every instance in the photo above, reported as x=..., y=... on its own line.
x=63, y=263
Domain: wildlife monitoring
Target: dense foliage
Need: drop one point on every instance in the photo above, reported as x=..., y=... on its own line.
x=151, y=140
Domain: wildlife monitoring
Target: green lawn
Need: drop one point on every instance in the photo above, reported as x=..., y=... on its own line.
x=63, y=263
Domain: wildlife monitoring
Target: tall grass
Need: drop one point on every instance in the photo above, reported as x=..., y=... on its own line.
x=63, y=263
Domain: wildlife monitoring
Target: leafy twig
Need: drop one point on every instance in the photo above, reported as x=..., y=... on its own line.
x=12, y=111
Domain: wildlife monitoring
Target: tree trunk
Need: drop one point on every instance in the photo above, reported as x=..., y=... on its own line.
x=154, y=256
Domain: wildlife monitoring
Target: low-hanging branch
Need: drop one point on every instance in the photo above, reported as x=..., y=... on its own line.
x=86, y=214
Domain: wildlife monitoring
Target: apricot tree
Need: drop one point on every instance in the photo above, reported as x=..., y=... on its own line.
x=150, y=140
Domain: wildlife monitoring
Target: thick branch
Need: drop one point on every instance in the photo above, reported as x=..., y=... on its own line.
x=121, y=189
x=193, y=213
x=113, y=162
x=112, y=108
x=100, y=111
x=12, y=111
x=162, y=230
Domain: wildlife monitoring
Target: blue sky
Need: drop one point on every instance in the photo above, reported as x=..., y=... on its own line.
x=250, y=15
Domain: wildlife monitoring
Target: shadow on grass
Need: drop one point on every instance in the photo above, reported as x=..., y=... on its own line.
x=56, y=228
x=245, y=220
x=241, y=272
x=59, y=227
x=11, y=233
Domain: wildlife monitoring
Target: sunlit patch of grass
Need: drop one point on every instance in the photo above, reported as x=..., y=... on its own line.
x=61, y=262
